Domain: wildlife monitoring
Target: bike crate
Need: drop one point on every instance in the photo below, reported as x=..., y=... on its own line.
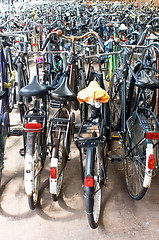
x=143, y=125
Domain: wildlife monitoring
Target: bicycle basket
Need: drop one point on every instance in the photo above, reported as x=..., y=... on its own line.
x=141, y=122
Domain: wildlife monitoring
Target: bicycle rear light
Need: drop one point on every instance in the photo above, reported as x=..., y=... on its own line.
x=53, y=172
x=151, y=161
x=88, y=181
x=32, y=127
x=152, y=135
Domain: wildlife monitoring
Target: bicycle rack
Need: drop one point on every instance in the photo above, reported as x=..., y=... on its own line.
x=59, y=123
x=34, y=120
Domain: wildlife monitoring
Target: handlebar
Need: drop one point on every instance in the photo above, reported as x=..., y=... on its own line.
x=140, y=46
x=156, y=44
x=73, y=38
x=17, y=35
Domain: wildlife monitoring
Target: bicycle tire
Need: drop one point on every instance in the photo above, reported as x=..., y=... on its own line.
x=22, y=82
x=115, y=93
x=150, y=60
x=135, y=165
x=1, y=150
x=9, y=68
x=93, y=195
x=60, y=166
x=33, y=149
x=82, y=85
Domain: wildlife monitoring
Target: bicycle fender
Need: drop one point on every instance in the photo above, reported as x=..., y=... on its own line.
x=28, y=174
x=53, y=181
x=148, y=175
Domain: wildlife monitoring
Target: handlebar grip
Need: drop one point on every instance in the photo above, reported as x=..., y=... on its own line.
x=101, y=44
x=16, y=25
x=25, y=47
x=15, y=59
x=45, y=43
x=142, y=38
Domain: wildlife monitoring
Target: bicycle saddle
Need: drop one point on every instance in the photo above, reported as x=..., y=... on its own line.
x=2, y=93
x=63, y=92
x=147, y=81
x=34, y=88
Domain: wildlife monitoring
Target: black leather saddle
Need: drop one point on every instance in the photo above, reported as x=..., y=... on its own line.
x=34, y=88
x=63, y=92
x=145, y=80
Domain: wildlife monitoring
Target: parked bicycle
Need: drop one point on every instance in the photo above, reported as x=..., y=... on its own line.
x=61, y=127
x=92, y=140
x=35, y=135
x=137, y=125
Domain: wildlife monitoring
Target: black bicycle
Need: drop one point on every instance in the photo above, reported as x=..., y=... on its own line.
x=92, y=143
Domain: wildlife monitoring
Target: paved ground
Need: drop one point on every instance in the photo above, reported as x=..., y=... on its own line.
x=121, y=217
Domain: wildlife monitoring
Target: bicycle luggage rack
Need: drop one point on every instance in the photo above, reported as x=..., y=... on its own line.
x=144, y=123
x=34, y=121
x=59, y=122
x=84, y=138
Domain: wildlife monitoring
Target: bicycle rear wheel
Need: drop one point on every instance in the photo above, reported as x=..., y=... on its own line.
x=1, y=155
x=92, y=188
x=59, y=165
x=32, y=159
x=140, y=160
x=134, y=169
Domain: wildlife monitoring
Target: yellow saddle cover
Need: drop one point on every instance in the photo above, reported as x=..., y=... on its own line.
x=93, y=93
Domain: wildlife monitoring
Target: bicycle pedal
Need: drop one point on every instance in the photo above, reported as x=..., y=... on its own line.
x=116, y=158
x=21, y=152
x=69, y=159
x=115, y=137
x=54, y=104
x=16, y=132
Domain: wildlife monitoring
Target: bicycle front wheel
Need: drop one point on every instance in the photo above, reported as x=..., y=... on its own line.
x=115, y=92
x=93, y=193
x=22, y=80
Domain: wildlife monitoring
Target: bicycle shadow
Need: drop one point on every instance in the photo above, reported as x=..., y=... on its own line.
x=65, y=208
x=7, y=201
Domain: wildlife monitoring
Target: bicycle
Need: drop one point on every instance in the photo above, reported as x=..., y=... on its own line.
x=135, y=122
x=35, y=134
x=62, y=123
x=92, y=139
x=4, y=107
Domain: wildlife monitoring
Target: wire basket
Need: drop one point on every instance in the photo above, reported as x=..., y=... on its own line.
x=140, y=122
